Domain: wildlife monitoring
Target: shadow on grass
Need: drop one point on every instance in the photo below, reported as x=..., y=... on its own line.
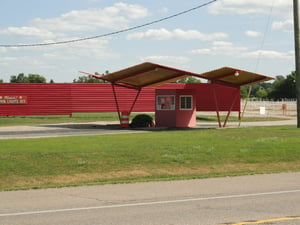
x=84, y=126
x=117, y=127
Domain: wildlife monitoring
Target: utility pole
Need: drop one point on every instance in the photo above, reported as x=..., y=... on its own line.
x=297, y=57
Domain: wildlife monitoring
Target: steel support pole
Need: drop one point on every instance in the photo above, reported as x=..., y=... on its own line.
x=297, y=56
x=116, y=101
x=236, y=95
x=135, y=100
x=216, y=104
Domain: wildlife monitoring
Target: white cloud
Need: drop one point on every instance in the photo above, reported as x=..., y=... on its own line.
x=132, y=11
x=23, y=61
x=241, y=7
x=3, y=50
x=95, y=48
x=164, y=34
x=164, y=10
x=6, y=61
x=202, y=51
x=31, y=32
x=251, y=33
x=286, y=25
x=230, y=49
x=268, y=54
x=166, y=59
x=117, y=16
x=155, y=34
x=220, y=48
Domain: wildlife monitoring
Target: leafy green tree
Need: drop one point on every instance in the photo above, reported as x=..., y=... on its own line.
x=86, y=79
x=1, y=80
x=244, y=91
x=36, y=78
x=284, y=87
x=20, y=78
x=90, y=79
x=257, y=90
x=31, y=78
x=261, y=93
x=189, y=79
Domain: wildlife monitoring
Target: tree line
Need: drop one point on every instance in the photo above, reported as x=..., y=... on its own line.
x=30, y=78
x=283, y=87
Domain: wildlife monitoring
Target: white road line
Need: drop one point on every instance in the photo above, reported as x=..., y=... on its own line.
x=148, y=203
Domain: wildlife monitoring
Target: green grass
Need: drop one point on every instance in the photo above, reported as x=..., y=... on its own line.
x=103, y=116
x=46, y=119
x=213, y=118
x=160, y=155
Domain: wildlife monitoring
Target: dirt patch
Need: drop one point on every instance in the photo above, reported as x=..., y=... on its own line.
x=138, y=173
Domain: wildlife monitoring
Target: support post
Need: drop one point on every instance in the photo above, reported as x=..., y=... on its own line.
x=245, y=105
x=136, y=98
x=232, y=104
x=297, y=56
x=216, y=104
x=116, y=101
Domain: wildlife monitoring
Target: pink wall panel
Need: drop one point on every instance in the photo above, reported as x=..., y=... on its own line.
x=205, y=98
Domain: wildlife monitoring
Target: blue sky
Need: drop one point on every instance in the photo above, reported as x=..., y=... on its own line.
x=253, y=35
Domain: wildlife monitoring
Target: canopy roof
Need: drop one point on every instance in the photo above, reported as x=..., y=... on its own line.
x=147, y=75
x=234, y=77
x=151, y=75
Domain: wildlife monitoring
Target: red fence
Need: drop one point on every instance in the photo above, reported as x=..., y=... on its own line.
x=55, y=99
x=42, y=99
x=100, y=98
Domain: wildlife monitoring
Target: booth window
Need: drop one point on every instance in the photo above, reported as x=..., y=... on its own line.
x=165, y=102
x=186, y=102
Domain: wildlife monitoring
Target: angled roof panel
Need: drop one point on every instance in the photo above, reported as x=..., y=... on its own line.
x=151, y=75
x=234, y=77
x=147, y=75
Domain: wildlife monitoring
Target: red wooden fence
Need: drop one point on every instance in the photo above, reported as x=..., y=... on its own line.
x=56, y=99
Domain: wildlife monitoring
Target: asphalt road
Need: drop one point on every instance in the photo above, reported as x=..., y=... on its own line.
x=63, y=130
x=106, y=128
x=267, y=199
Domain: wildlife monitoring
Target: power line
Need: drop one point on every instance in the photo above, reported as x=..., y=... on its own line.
x=264, y=36
x=111, y=33
x=258, y=59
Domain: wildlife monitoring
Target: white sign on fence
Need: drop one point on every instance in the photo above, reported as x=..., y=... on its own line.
x=262, y=110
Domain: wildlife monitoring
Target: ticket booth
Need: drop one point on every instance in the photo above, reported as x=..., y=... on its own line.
x=175, y=108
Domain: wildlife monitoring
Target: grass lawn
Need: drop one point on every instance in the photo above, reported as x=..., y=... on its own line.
x=159, y=155
x=47, y=119
x=103, y=116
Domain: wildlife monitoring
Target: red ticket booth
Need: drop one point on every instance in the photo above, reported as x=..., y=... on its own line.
x=175, y=108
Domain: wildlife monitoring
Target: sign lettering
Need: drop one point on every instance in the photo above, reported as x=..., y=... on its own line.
x=16, y=100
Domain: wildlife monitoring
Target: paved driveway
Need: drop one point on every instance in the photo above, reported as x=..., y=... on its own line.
x=105, y=128
x=64, y=129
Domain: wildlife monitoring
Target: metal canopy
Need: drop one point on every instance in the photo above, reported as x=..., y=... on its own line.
x=234, y=77
x=147, y=75
x=151, y=75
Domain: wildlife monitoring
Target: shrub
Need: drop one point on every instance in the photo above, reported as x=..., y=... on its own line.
x=142, y=120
